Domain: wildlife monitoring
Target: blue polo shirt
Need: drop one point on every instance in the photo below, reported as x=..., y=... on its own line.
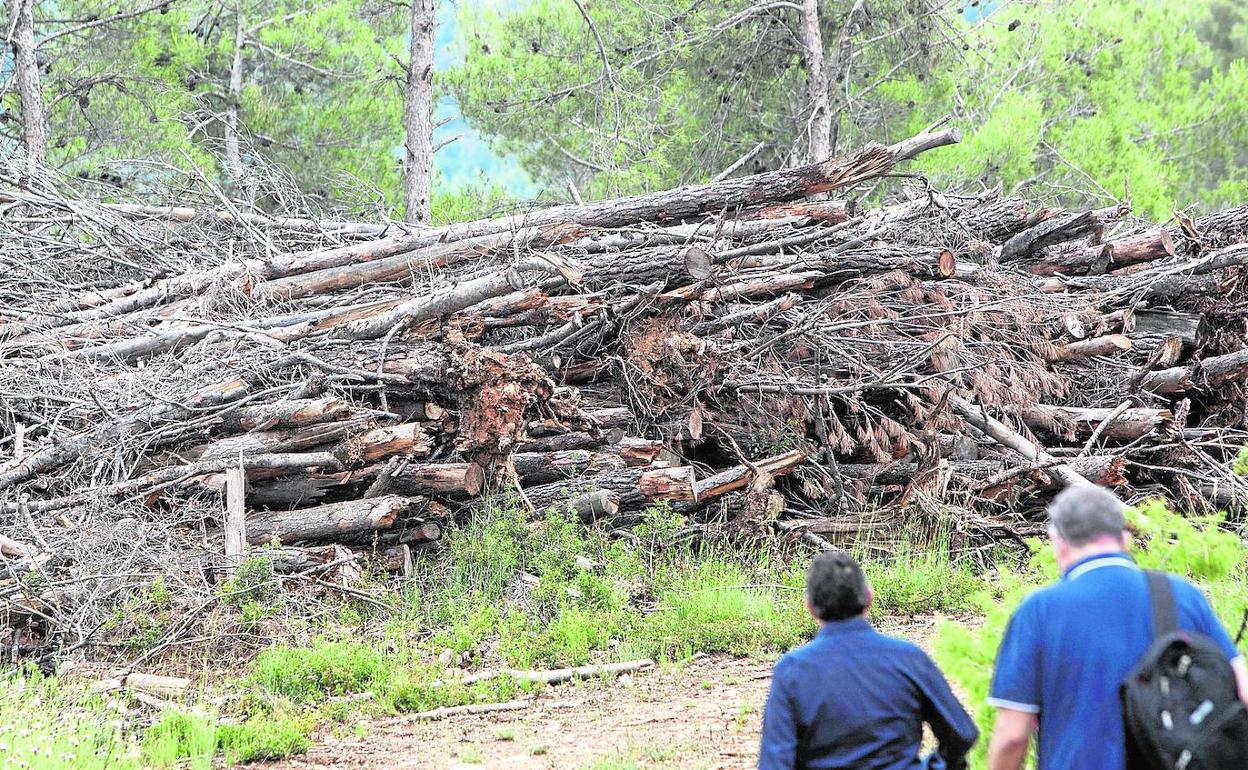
x=855, y=698
x=1069, y=646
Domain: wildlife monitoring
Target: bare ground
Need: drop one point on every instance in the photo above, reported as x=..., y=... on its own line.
x=705, y=715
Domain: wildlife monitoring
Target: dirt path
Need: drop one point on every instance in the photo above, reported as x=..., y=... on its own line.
x=706, y=715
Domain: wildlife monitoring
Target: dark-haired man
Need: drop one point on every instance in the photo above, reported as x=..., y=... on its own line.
x=1070, y=645
x=853, y=697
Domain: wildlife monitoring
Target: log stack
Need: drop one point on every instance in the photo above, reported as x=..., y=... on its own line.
x=757, y=355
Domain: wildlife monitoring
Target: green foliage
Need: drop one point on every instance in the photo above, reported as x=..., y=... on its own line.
x=41, y=728
x=687, y=88
x=1241, y=462
x=274, y=736
x=1090, y=96
x=909, y=583
x=327, y=667
x=181, y=739
x=320, y=97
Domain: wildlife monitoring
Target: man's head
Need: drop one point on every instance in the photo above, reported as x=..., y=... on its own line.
x=1085, y=520
x=836, y=589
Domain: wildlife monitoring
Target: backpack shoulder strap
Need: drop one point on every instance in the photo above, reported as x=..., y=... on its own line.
x=1165, y=608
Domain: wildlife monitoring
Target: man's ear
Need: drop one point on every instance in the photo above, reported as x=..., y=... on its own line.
x=811, y=609
x=870, y=597
x=1126, y=540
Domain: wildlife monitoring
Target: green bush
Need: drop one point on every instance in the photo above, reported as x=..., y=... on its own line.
x=273, y=737
x=328, y=667
x=180, y=739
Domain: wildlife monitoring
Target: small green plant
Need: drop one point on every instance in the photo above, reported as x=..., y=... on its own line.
x=743, y=715
x=328, y=667
x=470, y=754
x=181, y=739
x=539, y=749
x=505, y=733
x=252, y=582
x=275, y=736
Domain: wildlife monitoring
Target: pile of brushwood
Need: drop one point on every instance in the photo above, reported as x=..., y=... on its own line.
x=182, y=383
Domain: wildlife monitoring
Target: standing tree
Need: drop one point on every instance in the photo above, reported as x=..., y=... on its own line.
x=820, y=124
x=700, y=85
x=29, y=83
x=418, y=116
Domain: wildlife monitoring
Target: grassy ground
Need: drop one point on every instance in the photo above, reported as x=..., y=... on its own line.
x=510, y=592
x=535, y=594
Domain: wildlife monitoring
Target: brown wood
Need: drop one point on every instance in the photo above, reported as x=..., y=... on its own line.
x=396, y=559
x=328, y=521
x=546, y=467
x=1108, y=345
x=278, y=441
x=676, y=484
x=740, y=476
x=291, y=413
x=370, y=446
x=636, y=451
x=440, y=479
x=1070, y=421
x=109, y=432
x=1013, y=440
x=1209, y=372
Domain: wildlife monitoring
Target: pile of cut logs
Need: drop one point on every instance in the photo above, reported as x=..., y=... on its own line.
x=757, y=353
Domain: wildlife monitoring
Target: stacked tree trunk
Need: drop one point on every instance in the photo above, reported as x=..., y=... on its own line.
x=753, y=359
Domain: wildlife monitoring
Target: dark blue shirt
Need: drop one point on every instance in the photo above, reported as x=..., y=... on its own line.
x=855, y=698
x=1070, y=645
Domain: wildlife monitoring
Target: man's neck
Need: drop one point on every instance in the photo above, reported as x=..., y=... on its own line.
x=1099, y=548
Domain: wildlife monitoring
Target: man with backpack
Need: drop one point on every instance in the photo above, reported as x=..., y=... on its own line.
x=1116, y=666
x=853, y=698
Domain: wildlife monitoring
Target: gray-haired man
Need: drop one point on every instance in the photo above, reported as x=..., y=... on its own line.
x=1070, y=645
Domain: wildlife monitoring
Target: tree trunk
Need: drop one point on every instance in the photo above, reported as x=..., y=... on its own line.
x=547, y=467
x=418, y=116
x=820, y=121
x=1206, y=373
x=234, y=100
x=327, y=522
x=29, y=84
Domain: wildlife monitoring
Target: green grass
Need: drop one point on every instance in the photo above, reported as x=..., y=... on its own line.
x=643, y=598
x=44, y=728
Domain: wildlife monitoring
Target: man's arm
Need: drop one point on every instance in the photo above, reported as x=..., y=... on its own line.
x=778, y=750
x=954, y=729
x=1241, y=678
x=1207, y=623
x=1010, y=735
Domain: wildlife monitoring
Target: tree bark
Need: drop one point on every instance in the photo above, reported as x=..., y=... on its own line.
x=740, y=476
x=234, y=100
x=1011, y=439
x=418, y=116
x=1108, y=345
x=1072, y=421
x=547, y=467
x=1210, y=372
x=327, y=522
x=29, y=83
x=820, y=122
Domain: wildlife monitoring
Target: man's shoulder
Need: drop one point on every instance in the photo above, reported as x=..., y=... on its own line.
x=816, y=650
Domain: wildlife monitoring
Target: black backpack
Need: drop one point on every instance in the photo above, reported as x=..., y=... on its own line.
x=1180, y=706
